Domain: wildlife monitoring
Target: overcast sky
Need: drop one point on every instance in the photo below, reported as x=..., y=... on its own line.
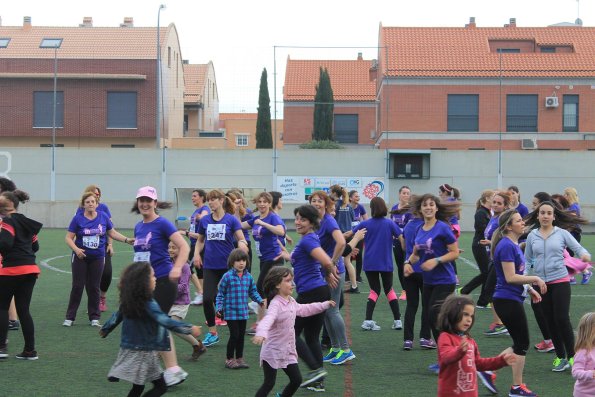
x=240, y=36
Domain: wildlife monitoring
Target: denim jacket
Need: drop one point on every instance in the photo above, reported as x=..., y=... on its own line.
x=148, y=332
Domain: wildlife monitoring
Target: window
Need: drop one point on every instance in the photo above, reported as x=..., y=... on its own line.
x=4, y=42
x=521, y=113
x=548, y=49
x=509, y=50
x=121, y=110
x=50, y=43
x=43, y=109
x=463, y=113
x=570, y=116
x=169, y=57
x=409, y=166
x=346, y=130
x=242, y=140
x=211, y=134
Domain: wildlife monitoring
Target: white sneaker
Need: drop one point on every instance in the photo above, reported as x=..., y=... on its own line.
x=68, y=323
x=254, y=307
x=95, y=323
x=370, y=325
x=174, y=378
x=197, y=300
x=397, y=324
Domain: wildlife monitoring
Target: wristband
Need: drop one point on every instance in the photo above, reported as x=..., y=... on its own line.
x=438, y=261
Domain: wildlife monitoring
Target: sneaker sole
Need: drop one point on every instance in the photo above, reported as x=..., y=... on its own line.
x=561, y=369
x=315, y=389
x=27, y=358
x=549, y=350
x=344, y=361
x=308, y=382
x=428, y=347
x=496, y=333
x=209, y=344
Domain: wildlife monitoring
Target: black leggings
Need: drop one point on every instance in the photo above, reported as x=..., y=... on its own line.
x=270, y=376
x=482, y=258
x=400, y=261
x=432, y=298
x=237, y=328
x=374, y=279
x=359, y=260
x=414, y=289
x=490, y=285
x=265, y=267
x=541, y=321
x=210, y=287
x=512, y=314
x=159, y=389
x=309, y=349
x=556, y=309
x=21, y=288
x=106, y=276
x=165, y=293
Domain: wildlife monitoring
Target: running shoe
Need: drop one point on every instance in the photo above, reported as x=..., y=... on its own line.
x=488, y=306
x=458, y=291
x=586, y=277
x=68, y=323
x=397, y=324
x=571, y=361
x=352, y=290
x=317, y=386
x=3, y=352
x=488, y=378
x=408, y=345
x=370, y=325
x=330, y=356
x=403, y=296
x=560, y=365
x=254, y=307
x=231, y=363
x=174, y=378
x=435, y=368
x=496, y=329
x=521, y=390
x=102, y=304
x=32, y=355
x=343, y=357
x=241, y=363
x=545, y=346
x=313, y=376
x=14, y=325
x=220, y=322
x=197, y=300
x=427, y=343
x=95, y=323
x=572, y=280
x=210, y=339
x=252, y=330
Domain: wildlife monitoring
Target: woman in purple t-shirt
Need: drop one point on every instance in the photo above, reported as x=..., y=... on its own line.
x=401, y=214
x=511, y=289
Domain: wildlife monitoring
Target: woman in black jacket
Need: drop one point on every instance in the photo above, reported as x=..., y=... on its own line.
x=481, y=255
x=18, y=273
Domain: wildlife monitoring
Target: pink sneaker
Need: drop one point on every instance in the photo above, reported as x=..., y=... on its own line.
x=403, y=296
x=102, y=305
x=545, y=347
x=220, y=322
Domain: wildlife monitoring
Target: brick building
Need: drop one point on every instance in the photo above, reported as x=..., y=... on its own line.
x=106, y=85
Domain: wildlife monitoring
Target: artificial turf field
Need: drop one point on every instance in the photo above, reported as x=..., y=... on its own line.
x=74, y=361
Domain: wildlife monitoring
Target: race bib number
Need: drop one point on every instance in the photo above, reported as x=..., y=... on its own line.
x=257, y=245
x=192, y=228
x=216, y=231
x=143, y=256
x=91, y=242
x=354, y=224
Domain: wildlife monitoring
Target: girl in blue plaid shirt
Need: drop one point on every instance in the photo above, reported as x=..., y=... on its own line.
x=232, y=304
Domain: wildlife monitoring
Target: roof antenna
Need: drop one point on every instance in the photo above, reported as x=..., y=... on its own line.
x=578, y=21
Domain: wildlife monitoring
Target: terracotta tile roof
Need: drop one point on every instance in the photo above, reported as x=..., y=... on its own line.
x=350, y=80
x=83, y=42
x=465, y=52
x=194, y=82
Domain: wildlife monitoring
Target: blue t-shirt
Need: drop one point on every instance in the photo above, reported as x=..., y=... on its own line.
x=409, y=235
x=91, y=233
x=328, y=225
x=508, y=251
x=266, y=242
x=400, y=219
x=378, y=255
x=575, y=208
x=522, y=210
x=195, y=220
x=150, y=244
x=490, y=229
x=359, y=211
x=218, y=239
x=344, y=216
x=100, y=208
x=249, y=215
x=307, y=275
x=432, y=244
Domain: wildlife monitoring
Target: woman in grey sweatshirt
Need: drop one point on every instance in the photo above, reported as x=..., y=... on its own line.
x=544, y=254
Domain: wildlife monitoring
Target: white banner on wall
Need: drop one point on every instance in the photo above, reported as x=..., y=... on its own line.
x=297, y=189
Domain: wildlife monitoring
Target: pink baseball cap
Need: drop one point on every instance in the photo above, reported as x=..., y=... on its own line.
x=147, y=191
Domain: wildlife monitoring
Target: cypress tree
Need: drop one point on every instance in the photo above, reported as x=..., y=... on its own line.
x=264, y=138
x=323, y=108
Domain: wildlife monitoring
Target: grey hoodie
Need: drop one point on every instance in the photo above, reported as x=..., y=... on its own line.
x=545, y=256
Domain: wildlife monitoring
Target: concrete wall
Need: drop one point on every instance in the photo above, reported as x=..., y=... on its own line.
x=119, y=173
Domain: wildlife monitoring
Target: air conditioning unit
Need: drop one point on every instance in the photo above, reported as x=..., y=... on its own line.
x=551, y=102
x=529, y=144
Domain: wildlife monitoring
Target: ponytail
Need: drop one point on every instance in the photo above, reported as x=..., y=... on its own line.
x=504, y=220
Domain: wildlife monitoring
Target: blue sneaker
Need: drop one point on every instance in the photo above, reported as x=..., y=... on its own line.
x=210, y=339
x=435, y=368
x=586, y=277
x=488, y=378
x=330, y=356
x=343, y=357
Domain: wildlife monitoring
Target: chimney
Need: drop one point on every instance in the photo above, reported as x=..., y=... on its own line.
x=471, y=23
x=128, y=22
x=512, y=23
x=87, y=22
x=373, y=71
x=359, y=56
x=27, y=23
x=185, y=62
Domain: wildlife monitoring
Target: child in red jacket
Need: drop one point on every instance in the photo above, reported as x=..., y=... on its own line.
x=458, y=355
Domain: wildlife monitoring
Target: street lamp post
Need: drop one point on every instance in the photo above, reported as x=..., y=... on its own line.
x=159, y=104
x=55, y=95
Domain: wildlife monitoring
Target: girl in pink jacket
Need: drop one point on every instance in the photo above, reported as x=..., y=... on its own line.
x=277, y=332
x=583, y=369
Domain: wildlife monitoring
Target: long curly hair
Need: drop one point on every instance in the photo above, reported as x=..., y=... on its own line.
x=272, y=279
x=135, y=290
